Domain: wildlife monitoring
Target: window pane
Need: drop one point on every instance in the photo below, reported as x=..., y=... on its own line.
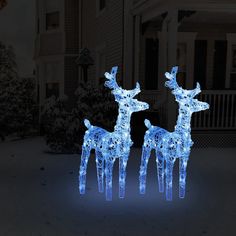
x=219, y=69
x=52, y=89
x=52, y=20
x=102, y=4
x=200, y=62
x=151, y=64
x=181, y=62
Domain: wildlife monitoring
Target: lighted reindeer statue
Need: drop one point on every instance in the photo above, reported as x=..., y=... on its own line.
x=171, y=145
x=111, y=145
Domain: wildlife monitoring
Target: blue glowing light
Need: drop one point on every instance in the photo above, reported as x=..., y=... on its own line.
x=111, y=145
x=171, y=145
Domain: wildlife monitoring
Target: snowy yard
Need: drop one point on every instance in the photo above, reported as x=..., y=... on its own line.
x=39, y=196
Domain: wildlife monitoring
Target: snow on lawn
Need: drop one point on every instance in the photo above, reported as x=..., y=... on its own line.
x=39, y=196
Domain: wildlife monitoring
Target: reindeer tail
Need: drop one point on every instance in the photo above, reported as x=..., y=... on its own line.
x=87, y=123
x=147, y=123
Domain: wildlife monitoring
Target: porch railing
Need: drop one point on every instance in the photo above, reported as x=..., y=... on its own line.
x=220, y=116
x=222, y=112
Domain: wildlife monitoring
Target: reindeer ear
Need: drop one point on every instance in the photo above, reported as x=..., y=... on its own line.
x=137, y=85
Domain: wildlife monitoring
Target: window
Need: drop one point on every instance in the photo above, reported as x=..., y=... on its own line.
x=38, y=26
x=151, y=64
x=52, y=89
x=219, y=66
x=52, y=20
x=233, y=67
x=102, y=4
x=182, y=62
x=100, y=62
x=102, y=65
x=52, y=82
x=200, y=62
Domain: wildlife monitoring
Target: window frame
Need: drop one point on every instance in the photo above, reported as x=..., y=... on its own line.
x=47, y=28
x=100, y=11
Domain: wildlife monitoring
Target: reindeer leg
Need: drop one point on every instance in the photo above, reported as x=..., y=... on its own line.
x=100, y=170
x=108, y=173
x=182, y=176
x=122, y=174
x=169, y=177
x=160, y=171
x=146, y=151
x=83, y=168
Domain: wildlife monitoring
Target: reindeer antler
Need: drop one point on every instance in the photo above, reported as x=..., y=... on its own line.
x=111, y=82
x=135, y=91
x=172, y=83
x=196, y=91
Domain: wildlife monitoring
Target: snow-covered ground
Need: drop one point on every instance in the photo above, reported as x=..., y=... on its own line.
x=39, y=196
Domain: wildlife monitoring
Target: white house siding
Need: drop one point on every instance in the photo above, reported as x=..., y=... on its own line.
x=103, y=30
x=71, y=23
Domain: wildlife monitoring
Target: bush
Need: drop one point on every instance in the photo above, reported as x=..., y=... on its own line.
x=96, y=104
x=16, y=97
x=64, y=129
x=60, y=126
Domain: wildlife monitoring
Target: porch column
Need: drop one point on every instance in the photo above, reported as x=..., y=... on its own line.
x=128, y=45
x=137, y=48
x=162, y=56
x=172, y=30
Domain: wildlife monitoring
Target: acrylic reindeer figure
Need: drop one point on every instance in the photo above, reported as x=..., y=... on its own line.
x=171, y=145
x=109, y=146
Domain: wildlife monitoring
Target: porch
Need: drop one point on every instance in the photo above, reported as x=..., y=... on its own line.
x=201, y=39
x=220, y=116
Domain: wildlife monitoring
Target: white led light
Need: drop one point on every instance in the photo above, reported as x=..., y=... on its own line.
x=171, y=145
x=111, y=145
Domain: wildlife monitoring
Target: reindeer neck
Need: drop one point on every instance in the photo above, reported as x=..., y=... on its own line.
x=183, y=125
x=123, y=121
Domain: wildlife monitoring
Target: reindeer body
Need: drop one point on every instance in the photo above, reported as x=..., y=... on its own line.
x=171, y=145
x=111, y=145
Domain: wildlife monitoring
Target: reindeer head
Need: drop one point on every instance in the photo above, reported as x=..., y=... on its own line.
x=125, y=98
x=185, y=98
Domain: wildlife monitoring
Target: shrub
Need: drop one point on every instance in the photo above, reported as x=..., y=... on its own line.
x=64, y=129
x=16, y=97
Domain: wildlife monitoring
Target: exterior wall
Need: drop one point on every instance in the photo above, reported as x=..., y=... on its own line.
x=71, y=48
x=103, y=33
x=58, y=46
x=71, y=22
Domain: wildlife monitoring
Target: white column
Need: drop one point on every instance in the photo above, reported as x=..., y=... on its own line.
x=162, y=55
x=210, y=63
x=172, y=40
x=188, y=38
x=172, y=37
x=231, y=40
x=128, y=45
x=137, y=35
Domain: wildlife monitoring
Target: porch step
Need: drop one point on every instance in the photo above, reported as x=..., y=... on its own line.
x=224, y=139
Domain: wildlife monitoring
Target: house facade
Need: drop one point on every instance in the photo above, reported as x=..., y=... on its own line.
x=57, y=46
x=199, y=37
x=145, y=38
